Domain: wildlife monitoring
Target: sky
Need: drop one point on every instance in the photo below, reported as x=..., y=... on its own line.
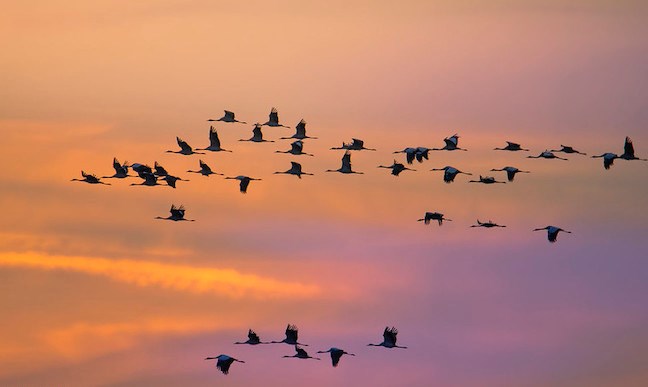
x=96, y=292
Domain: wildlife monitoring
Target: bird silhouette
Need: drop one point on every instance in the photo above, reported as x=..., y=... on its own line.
x=512, y=146
x=451, y=143
x=488, y=224
x=628, y=151
x=295, y=169
x=160, y=171
x=214, y=142
x=90, y=179
x=171, y=180
x=257, y=135
x=450, y=173
x=149, y=179
x=228, y=117
x=253, y=339
x=389, y=339
x=486, y=180
x=346, y=165
x=336, y=354
x=546, y=155
x=300, y=132
x=291, y=336
x=205, y=170
x=410, y=154
x=567, y=149
x=608, y=159
x=510, y=172
x=244, y=182
x=273, y=119
x=302, y=354
x=223, y=362
x=396, y=168
x=433, y=216
x=296, y=148
x=177, y=214
x=552, y=232
x=185, y=149
x=141, y=168
x=121, y=170
x=355, y=144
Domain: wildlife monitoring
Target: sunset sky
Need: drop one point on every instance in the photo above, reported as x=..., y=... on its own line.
x=94, y=291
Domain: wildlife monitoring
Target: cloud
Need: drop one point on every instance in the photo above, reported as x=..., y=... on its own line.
x=198, y=280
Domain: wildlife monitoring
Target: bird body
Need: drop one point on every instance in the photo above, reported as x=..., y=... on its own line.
x=512, y=146
x=177, y=214
x=628, y=151
x=608, y=159
x=257, y=135
x=451, y=143
x=450, y=173
x=302, y=354
x=346, y=165
x=214, y=142
x=223, y=362
x=567, y=149
x=552, y=232
x=90, y=179
x=433, y=216
x=228, y=117
x=355, y=144
x=296, y=148
x=389, y=339
x=300, y=132
x=273, y=119
x=150, y=179
x=291, y=336
x=244, y=182
x=486, y=180
x=121, y=170
x=253, y=339
x=185, y=149
x=396, y=168
x=488, y=224
x=171, y=180
x=336, y=354
x=205, y=170
x=295, y=169
x=140, y=168
x=546, y=155
x=510, y=172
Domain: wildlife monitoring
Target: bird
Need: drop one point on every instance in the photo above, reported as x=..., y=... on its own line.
x=300, y=132
x=450, y=173
x=567, y=149
x=451, y=143
x=410, y=154
x=253, y=339
x=121, y=170
x=295, y=169
x=223, y=362
x=205, y=170
x=389, y=339
x=171, y=180
x=512, y=146
x=296, y=148
x=422, y=153
x=140, y=168
x=214, y=142
x=160, y=170
x=608, y=159
x=228, y=117
x=90, y=179
x=257, y=136
x=185, y=149
x=628, y=151
x=552, y=232
x=177, y=214
x=336, y=354
x=546, y=155
x=433, y=216
x=346, y=165
x=302, y=354
x=510, y=172
x=486, y=180
x=273, y=119
x=245, y=181
x=488, y=224
x=396, y=168
x=150, y=179
x=291, y=336
x=355, y=144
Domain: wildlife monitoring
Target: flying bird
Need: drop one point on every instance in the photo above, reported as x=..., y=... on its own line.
x=90, y=179
x=389, y=339
x=488, y=224
x=177, y=214
x=552, y=232
x=205, y=170
x=291, y=336
x=253, y=339
x=141, y=168
x=410, y=154
x=244, y=182
x=257, y=135
x=510, y=172
x=346, y=165
x=450, y=173
x=171, y=180
x=223, y=362
x=300, y=132
x=608, y=159
x=228, y=117
x=296, y=148
x=214, y=142
x=160, y=170
x=121, y=170
x=396, y=168
x=185, y=149
x=433, y=216
x=295, y=169
x=629, y=152
x=273, y=119
x=546, y=155
x=336, y=354
x=567, y=149
x=355, y=144
x=150, y=179
x=302, y=354
x=451, y=143
x=486, y=180
x=512, y=146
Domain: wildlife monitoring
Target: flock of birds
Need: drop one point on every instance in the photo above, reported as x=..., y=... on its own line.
x=154, y=176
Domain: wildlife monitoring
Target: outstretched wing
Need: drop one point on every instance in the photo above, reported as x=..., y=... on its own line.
x=214, y=141
x=291, y=333
x=229, y=115
x=183, y=145
x=297, y=146
x=301, y=128
x=628, y=148
x=273, y=117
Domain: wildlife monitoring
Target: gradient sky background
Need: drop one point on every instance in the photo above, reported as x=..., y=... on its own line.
x=96, y=292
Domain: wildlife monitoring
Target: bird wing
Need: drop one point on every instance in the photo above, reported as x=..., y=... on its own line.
x=254, y=338
x=229, y=115
x=256, y=132
x=357, y=144
x=390, y=335
x=301, y=128
x=300, y=351
x=273, y=116
x=214, y=141
x=296, y=147
x=628, y=148
x=204, y=166
x=224, y=365
x=244, y=185
x=335, y=357
x=291, y=333
x=117, y=166
x=183, y=145
x=295, y=167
